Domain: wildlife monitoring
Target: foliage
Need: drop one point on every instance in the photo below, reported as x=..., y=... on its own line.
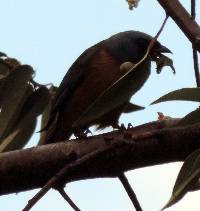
x=188, y=178
x=21, y=102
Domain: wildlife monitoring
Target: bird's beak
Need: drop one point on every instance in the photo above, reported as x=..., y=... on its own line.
x=163, y=49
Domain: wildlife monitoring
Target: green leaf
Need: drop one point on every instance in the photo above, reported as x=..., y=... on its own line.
x=187, y=177
x=191, y=118
x=20, y=76
x=17, y=115
x=26, y=123
x=132, y=107
x=19, y=137
x=8, y=140
x=44, y=121
x=117, y=94
x=36, y=102
x=12, y=99
x=185, y=94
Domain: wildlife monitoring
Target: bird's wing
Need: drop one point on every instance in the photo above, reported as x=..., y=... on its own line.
x=71, y=80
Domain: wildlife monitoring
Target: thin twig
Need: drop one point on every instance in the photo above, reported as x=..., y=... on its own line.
x=67, y=198
x=151, y=44
x=183, y=19
x=130, y=192
x=55, y=179
x=194, y=51
x=196, y=66
x=159, y=32
x=122, y=177
x=193, y=9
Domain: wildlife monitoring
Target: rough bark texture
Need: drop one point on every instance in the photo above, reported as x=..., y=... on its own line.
x=183, y=19
x=146, y=145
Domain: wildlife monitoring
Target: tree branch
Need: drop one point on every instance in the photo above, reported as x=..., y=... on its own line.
x=194, y=51
x=196, y=66
x=68, y=199
x=130, y=191
x=56, y=180
x=183, y=19
x=193, y=9
x=145, y=145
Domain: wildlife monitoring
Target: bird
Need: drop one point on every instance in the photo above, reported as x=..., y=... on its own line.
x=96, y=69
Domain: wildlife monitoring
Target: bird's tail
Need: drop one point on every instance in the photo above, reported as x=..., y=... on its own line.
x=51, y=131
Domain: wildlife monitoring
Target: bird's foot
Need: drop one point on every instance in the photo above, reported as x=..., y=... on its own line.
x=122, y=127
x=79, y=135
x=130, y=126
x=88, y=131
x=119, y=127
x=82, y=134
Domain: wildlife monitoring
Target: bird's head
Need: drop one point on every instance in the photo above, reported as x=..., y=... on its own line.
x=132, y=46
x=157, y=49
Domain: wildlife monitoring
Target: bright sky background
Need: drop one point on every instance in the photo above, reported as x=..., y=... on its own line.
x=50, y=35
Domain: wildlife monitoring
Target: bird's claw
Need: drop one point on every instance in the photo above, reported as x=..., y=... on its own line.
x=119, y=127
x=122, y=127
x=87, y=131
x=82, y=134
x=129, y=126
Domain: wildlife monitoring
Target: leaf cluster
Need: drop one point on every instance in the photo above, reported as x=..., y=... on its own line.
x=188, y=177
x=21, y=102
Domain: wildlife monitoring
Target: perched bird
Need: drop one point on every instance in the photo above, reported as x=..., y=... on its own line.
x=90, y=75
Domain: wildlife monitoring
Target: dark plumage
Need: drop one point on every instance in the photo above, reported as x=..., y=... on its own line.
x=91, y=74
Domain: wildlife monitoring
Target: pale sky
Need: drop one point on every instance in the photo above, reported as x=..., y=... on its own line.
x=50, y=35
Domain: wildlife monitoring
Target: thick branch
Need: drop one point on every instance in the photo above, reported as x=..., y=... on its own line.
x=142, y=146
x=183, y=19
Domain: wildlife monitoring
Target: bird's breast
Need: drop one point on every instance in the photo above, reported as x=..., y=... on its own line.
x=101, y=71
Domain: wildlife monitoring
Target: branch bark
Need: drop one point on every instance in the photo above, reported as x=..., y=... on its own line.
x=183, y=19
x=145, y=145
